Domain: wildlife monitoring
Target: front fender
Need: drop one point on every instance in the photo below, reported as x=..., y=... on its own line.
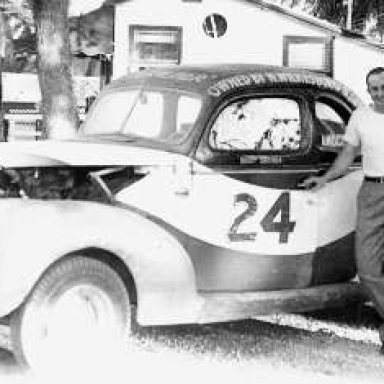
x=35, y=233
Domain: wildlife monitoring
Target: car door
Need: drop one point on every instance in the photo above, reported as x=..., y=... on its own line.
x=257, y=230
x=267, y=233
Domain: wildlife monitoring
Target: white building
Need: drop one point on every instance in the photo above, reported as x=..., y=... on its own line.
x=152, y=33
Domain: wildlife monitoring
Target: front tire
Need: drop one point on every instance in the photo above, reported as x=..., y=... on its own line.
x=79, y=308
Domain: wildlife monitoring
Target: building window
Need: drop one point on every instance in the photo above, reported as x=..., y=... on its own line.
x=154, y=45
x=314, y=53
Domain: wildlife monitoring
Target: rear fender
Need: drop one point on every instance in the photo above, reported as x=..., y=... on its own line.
x=34, y=234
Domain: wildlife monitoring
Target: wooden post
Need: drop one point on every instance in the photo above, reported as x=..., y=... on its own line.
x=349, y=14
x=380, y=20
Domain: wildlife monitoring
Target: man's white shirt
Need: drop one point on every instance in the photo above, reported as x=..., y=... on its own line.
x=366, y=129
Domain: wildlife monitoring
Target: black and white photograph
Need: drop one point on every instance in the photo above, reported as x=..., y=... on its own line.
x=192, y=191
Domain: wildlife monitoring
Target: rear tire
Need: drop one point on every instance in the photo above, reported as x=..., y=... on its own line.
x=78, y=311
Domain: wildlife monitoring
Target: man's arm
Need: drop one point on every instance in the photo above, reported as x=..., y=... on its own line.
x=338, y=168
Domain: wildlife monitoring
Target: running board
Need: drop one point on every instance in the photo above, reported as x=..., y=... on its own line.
x=225, y=306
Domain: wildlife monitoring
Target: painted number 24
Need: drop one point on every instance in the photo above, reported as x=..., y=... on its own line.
x=269, y=223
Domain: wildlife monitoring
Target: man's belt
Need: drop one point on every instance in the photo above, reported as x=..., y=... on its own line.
x=379, y=180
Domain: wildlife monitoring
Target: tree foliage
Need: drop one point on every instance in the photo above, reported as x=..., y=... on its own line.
x=17, y=7
x=50, y=20
x=42, y=27
x=367, y=16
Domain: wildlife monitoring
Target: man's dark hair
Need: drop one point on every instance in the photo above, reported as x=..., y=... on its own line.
x=374, y=71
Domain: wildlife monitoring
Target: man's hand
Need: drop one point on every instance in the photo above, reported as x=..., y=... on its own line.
x=314, y=183
x=338, y=168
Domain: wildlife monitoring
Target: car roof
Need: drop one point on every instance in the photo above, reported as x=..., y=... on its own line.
x=216, y=80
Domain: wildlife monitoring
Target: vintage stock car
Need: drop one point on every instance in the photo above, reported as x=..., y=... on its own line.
x=181, y=196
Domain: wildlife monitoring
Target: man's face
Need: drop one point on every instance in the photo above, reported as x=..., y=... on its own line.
x=376, y=88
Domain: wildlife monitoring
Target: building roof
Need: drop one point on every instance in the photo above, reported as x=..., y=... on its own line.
x=314, y=22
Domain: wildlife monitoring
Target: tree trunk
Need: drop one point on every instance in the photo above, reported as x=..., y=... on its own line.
x=60, y=118
x=2, y=54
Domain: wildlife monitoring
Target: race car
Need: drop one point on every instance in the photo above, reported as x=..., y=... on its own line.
x=179, y=201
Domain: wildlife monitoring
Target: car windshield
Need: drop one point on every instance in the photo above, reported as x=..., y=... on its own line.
x=161, y=115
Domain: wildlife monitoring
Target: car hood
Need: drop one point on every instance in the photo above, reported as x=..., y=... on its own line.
x=79, y=153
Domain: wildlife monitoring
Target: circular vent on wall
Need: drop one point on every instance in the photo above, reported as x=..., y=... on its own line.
x=215, y=25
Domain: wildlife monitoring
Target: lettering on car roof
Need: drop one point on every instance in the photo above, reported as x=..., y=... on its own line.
x=238, y=81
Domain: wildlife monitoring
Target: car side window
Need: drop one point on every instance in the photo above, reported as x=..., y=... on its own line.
x=331, y=125
x=146, y=116
x=188, y=109
x=258, y=124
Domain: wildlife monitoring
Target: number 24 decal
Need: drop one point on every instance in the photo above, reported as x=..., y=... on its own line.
x=284, y=226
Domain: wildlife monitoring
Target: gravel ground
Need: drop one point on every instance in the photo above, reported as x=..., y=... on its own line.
x=281, y=348
x=242, y=351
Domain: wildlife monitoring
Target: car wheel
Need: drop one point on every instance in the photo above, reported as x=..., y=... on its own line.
x=78, y=311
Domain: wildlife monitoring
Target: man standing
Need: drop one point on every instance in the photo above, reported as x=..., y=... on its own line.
x=365, y=134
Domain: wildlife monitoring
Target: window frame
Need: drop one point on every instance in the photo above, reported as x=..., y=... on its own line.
x=341, y=108
x=306, y=139
x=333, y=100
x=154, y=28
x=327, y=42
